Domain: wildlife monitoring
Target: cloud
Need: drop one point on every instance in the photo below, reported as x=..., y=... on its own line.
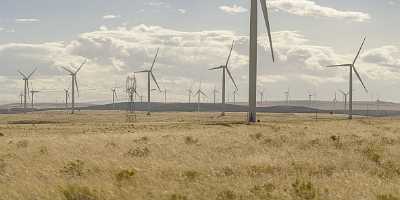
x=184, y=60
x=182, y=11
x=310, y=8
x=111, y=16
x=234, y=9
x=27, y=20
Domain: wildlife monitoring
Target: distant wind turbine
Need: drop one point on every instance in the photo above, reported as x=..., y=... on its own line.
x=199, y=94
x=73, y=74
x=215, y=92
x=345, y=95
x=150, y=76
x=33, y=92
x=26, y=79
x=351, y=69
x=66, y=98
x=287, y=94
x=225, y=70
x=114, y=96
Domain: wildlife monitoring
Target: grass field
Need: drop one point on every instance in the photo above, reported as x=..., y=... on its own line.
x=190, y=156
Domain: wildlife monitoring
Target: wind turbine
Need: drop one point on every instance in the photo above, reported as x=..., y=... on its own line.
x=215, y=91
x=352, y=68
x=252, y=115
x=66, y=98
x=334, y=103
x=345, y=94
x=33, y=92
x=150, y=76
x=131, y=90
x=26, y=79
x=165, y=95
x=235, y=93
x=115, y=96
x=262, y=97
x=21, y=96
x=73, y=74
x=225, y=70
x=310, y=96
x=199, y=94
x=287, y=94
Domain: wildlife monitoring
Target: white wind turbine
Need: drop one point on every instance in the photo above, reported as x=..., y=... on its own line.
x=225, y=70
x=345, y=95
x=66, y=98
x=215, y=92
x=199, y=94
x=26, y=79
x=150, y=76
x=252, y=115
x=115, y=96
x=73, y=73
x=351, y=69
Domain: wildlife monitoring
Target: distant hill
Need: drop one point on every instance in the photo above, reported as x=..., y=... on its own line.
x=360, y=108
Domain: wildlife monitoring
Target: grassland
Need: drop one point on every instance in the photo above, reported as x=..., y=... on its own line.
x=184, y=156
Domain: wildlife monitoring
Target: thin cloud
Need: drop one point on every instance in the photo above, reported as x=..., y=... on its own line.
x=111, y=17
x=310, y=8
x=233, y=9
x=27, y=20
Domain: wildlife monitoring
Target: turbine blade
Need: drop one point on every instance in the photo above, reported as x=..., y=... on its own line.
x=154, y=79
x=201, y=92
x=68, y=70
x=143, y=71
x=80, y=67
x=230, y=54
x=76, y=85
x=358, y=54
x=22, y=74
x=154, y=61
x=233, y=80
x=266, y=17
x=359, y=78
x=30, y=75
x=214, y=68
x=343, y=65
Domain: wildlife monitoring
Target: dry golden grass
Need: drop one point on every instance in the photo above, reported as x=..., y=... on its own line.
x=183, y=156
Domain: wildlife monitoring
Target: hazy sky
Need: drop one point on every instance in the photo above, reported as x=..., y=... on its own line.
x=121, y=36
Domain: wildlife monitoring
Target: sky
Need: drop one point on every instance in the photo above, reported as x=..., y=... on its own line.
x=120, y=37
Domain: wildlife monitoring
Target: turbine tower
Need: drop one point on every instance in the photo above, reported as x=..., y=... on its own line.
x=115, y=96
x=66, y=98
x=131, y=90
x=351, y=69
x=199, y=93
x=73, y=74
x=26, y=79
x=262, y=97
x=235, y=93
x=215, y=92
x=287, y=94
x=345, y=95
x=225, y=70
x=33, y=92
x=150, y=76
x=252, y=115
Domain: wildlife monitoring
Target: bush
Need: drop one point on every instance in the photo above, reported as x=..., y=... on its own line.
x=303, y=190
x=190, y=175
x=226, y=195
x=190, y=140
x=139, y=152
x=387, y=197
x=75, y=192
x=177, y=197
x=74, y=168
x=125, y=175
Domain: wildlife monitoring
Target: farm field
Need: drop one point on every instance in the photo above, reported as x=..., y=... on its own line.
x=99, y=155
